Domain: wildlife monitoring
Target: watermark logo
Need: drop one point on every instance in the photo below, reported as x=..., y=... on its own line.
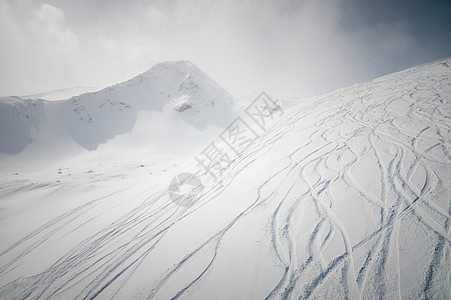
x=186, y=188
x=263, y=110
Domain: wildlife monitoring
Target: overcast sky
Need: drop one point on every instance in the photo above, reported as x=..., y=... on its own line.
x=285, y=47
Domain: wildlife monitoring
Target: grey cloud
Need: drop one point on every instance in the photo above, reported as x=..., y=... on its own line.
x=283, y=47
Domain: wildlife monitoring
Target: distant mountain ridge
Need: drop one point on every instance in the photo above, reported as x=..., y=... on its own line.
x=94, y=118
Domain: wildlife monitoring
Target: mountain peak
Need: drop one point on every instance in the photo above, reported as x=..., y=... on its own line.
x=171, y=68
x=171, y=81
x=179, y=64
x=177, y=90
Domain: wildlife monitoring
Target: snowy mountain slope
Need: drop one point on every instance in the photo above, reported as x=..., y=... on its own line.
x=19, y=123
x=346, y=196
x=93, y=119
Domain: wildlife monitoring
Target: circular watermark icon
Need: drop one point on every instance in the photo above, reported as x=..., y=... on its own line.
x=185, y=189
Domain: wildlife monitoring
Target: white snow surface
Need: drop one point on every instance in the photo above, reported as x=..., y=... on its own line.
x=346, y=196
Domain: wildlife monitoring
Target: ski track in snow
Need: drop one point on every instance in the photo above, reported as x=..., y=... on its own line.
x=396, y=129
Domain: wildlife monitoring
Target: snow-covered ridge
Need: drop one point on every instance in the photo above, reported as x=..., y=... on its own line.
x=61, y=94
x=167, y=81
x=94, y=118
